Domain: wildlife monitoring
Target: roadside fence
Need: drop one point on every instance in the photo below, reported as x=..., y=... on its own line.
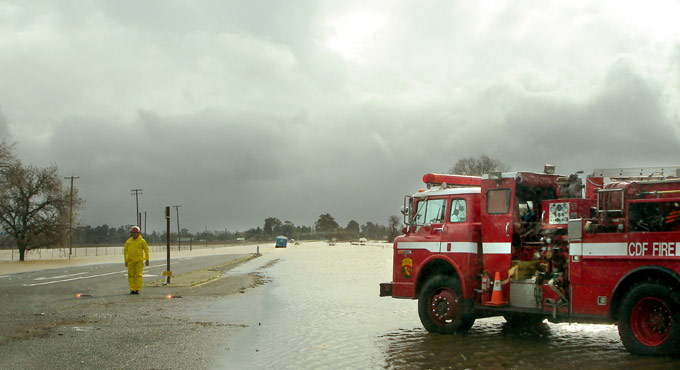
x=62, y=253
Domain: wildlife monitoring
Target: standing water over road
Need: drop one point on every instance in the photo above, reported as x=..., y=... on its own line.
x=321, y=310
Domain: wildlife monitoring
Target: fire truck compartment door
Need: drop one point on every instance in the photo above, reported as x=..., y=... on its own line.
x=497, y=227
x=575, y=234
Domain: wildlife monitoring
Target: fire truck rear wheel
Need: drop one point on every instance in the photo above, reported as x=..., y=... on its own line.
x=441, y=307
x=649, y=320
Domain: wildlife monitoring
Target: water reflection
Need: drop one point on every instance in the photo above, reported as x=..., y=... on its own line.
x=321, y=310
x=494, y=344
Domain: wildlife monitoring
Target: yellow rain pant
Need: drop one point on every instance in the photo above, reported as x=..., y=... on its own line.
x=135, y=270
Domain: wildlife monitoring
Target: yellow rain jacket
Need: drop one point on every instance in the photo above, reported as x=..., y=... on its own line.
x=136, y=250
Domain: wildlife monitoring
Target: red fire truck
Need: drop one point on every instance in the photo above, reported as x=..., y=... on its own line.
x=533, y=246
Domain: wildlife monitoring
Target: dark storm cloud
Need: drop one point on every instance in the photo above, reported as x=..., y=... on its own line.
x=241, y=111
x=622, y=123
x=174, y=159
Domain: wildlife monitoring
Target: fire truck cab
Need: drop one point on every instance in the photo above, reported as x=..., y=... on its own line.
x=533, y=246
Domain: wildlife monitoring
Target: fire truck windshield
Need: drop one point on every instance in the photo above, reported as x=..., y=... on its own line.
x=429, y=211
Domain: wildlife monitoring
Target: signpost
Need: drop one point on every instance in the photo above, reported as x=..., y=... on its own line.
x=167, y=273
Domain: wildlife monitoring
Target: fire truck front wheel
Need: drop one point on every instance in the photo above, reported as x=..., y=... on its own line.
x=441, y=307
x=649, y=320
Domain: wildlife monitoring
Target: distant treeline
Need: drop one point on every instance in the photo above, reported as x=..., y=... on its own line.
x=324, y=229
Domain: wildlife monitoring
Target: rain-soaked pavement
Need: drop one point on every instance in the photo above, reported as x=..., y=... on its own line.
x=321, y=310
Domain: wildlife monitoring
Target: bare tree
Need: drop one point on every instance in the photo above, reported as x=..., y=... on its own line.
x=6, y=158
x=393, y=227
x=478, y=166
x=34, y=207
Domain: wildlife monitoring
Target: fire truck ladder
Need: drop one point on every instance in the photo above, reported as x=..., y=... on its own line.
x=639, y=173
x=631, y=174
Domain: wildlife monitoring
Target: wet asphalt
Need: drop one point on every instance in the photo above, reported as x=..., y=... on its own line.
x=84, y=317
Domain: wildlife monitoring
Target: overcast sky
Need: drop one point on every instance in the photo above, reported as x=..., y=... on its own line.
x=243, y=110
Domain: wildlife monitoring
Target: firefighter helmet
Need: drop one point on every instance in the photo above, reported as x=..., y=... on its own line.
x=134, y=229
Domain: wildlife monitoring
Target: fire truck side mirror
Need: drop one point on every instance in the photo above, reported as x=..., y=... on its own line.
x=575, y=231
x=404, y=210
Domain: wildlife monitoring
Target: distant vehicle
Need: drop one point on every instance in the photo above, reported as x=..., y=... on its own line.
x=281, y=241
x=361, y=241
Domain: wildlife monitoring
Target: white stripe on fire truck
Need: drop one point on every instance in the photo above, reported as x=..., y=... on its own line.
x=605, y=249
x=433, y=247
x=589, y=249
x=496, y=248
x=460, y=247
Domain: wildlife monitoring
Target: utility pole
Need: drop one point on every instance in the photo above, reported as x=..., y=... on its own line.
x=136, y=193
x=178, y=238
x=70, y=217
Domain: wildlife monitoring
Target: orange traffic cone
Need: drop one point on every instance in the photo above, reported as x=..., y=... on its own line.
x=497, y=294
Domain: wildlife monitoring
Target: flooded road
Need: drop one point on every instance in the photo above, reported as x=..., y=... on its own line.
x=321, y=310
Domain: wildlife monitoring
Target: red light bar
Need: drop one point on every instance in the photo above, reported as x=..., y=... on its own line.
x=460, y=180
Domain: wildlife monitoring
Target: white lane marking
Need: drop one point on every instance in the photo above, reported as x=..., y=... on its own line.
x=89, y=277
x=76, y=278
x=59, y=277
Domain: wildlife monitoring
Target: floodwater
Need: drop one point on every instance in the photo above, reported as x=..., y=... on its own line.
x=321, y=310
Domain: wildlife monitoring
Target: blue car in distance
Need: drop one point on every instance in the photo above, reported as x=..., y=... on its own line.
x=281, y=242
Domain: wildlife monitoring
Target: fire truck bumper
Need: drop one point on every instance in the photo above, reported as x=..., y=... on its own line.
x=385, y=289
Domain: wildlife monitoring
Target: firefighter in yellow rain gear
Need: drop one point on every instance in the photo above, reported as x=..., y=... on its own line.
x=136, y=251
